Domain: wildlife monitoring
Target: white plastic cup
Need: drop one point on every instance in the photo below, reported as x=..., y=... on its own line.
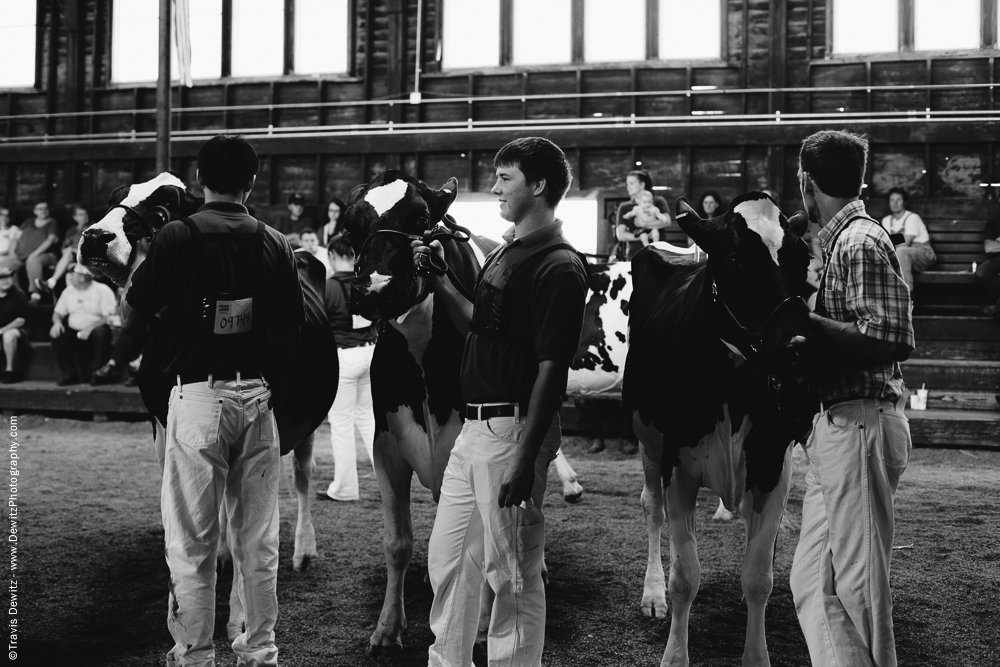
x=918, y=400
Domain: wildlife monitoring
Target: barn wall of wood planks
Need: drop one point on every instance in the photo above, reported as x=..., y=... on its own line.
x=322, y=135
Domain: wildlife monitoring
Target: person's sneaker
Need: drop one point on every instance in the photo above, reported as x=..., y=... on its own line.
x=9, y=377
x=992, y=310
x=68, y=380
x=43, y=286
x=106, y=374
x=35, y=297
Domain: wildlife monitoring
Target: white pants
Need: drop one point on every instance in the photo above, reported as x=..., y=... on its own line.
x=840, y=573
x=221, y=443
x=472, y=535
x=352, y=409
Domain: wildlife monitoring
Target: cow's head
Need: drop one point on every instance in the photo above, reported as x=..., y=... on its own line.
x=758, y=261
x=388, y=284
x=136, y=211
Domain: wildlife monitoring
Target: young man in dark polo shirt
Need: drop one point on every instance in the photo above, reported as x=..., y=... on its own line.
x=522, y=333
x=231, y=305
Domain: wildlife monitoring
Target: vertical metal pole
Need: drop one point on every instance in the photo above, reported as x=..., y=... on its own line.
x=163, y=92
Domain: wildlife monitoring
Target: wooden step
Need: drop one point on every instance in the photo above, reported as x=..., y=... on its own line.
x=954, y=428
x=950, y=327
x=957, y=349
x=33, y=396
x=950, y=399
x=951, y=374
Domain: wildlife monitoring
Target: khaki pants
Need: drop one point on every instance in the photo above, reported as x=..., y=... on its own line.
x=840, y=573
x=221, y=443
x=472, y=535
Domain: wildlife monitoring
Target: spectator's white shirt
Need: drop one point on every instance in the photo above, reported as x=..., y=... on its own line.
x=83, y=308
x=910, y=224
x=7, y=238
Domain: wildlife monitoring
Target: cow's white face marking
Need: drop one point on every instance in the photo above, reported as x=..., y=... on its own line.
x=119, y=249
x=761, y=216
x=384, y=197
x=379, y=282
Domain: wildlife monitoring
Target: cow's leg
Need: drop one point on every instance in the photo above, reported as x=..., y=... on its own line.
x=394, y=476
x=762, y=514
x=572, y=491
x=654, y=593
x=305, y=534
x=685, y=570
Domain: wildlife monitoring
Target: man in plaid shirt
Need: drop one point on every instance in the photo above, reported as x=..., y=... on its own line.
x=860, y=441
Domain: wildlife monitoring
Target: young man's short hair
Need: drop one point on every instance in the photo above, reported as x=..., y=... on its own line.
x=835, y=160
x=307, y=230
x=227, y=163
x=538, y=159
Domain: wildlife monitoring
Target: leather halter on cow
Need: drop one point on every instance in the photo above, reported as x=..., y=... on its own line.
x=716, y=383
x=417, y=359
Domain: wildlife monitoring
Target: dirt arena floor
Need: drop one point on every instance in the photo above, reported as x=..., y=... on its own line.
x=93, y=581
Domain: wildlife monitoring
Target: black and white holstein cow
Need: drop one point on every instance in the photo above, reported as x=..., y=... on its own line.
x=417, y=360
x=109, y=248
x=723, y=414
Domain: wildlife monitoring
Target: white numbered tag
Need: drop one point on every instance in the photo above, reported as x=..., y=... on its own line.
x=233, y=317
x=359, y=322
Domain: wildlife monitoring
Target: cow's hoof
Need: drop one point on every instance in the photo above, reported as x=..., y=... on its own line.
x=376, y=649
x=655, y=606
x=722, y=514
x=597, y=447
x=630, y=448
x=300, y=563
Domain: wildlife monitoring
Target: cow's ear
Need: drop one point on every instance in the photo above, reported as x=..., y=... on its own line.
x=443, y=198
x=799, y=222
x=684, y=211
x=355, y=193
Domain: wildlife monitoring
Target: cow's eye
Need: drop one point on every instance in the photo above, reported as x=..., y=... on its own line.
x=734, y=261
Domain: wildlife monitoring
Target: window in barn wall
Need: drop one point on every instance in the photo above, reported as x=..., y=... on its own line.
x=614, y=31
x=136, y=34
x=946, y=26
x=17, y=43
x=678, y=41
x=543, y=32
x=906, y=26
x=878, y=32
x=321, y=32
x=258, y=37
x=471, y=34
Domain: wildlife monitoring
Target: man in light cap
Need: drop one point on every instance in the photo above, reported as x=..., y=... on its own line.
x=13, y=316
x=80, y=331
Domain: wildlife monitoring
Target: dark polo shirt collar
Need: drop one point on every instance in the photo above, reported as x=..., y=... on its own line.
x=224, y=207
x=537, y=237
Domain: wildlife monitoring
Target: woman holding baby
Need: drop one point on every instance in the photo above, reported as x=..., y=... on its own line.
x=640, y=219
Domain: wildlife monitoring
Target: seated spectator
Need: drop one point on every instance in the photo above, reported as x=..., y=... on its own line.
x=13, y=318
x=296, y=220
x=334, y=209
x=9, y=235
x=39, y=235
x=988, y=272
x=352, y=409
x=630, y=229
x=909, y=234
x=71, y=241
x=80, y=332
x=310, y=243
x=710, y=204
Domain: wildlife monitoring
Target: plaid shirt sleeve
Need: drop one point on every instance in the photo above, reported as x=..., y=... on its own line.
x=876, y=297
